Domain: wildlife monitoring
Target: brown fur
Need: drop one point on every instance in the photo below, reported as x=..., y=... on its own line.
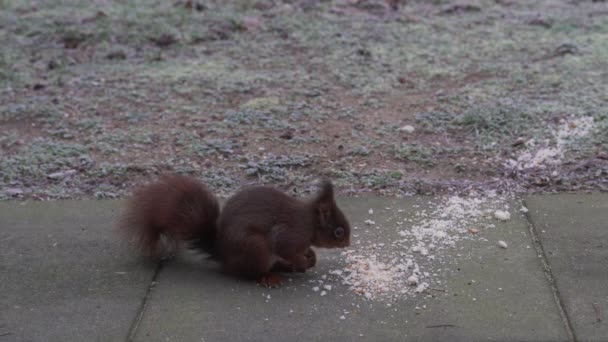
x=260, y=229
x=179, y=208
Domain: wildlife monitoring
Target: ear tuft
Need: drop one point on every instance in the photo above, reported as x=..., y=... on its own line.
x=326, y=191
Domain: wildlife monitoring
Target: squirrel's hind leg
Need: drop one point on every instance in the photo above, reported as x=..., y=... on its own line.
x=252, y=259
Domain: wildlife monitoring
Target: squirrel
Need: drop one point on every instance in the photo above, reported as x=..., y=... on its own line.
x=259, y=232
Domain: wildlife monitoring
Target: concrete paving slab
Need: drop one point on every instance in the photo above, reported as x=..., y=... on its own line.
x=64, y=276
x=573, y=230
x=490, y=293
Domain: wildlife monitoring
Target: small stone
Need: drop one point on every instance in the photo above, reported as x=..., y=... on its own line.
x=473, y=230
x=61, y=174
x=567, y=49
x=164, y=40
x=519, y=141
x=116, y=55
x=407, y=129
x=540, y=21
x=14, y=191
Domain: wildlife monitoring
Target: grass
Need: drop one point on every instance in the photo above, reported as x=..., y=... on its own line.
x=284, y=92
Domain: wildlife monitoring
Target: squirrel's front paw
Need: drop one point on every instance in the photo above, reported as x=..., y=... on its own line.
x=311, y=258
x=270, y=280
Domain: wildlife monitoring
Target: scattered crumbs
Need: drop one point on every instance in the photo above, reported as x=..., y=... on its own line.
x=502, y=244
x=371, y=211
x=327, y=287
x=523, y=209
x=323, y=293
x=407, y=266
x=541, y=154
x=342, y=317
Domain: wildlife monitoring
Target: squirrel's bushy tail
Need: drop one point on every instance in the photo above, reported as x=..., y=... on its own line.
x=177, y=209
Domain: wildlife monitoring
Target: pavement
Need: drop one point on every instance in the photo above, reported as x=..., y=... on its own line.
x=66, y=276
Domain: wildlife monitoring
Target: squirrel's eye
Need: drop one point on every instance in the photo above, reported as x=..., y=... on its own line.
x=339, y=232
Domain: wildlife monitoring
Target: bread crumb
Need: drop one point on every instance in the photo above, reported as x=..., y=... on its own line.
x=502, y=215
x=371, y=211
x=502, y=244
x=422, y=287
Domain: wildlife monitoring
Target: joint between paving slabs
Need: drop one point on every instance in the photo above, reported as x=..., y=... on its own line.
x=144, y=303
x=540, y=251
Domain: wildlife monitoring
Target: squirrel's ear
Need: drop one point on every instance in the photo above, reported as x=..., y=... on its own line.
x=324, y=212
x=324, y=201
x=326, y=192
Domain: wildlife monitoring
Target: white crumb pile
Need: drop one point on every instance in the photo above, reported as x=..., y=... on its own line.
x=414, y=261
x=541, y=155
x=502, y=215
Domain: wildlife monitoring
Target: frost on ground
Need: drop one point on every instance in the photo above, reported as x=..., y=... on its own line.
x=546, y=153
x=415, y=261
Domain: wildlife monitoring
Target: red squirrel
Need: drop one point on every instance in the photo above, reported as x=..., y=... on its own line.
x=260, y=230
